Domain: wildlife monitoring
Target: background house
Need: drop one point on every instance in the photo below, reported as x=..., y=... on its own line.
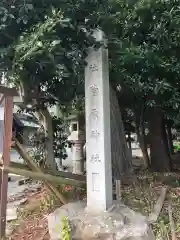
x=24, y=124
x=24, y=127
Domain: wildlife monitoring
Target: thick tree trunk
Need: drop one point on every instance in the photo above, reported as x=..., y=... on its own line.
x=160, y=158
x=170, y=139
x=129, y=141
x=143, y=145
x=121, y=157
x=30, y=94
x=165, y=135
x=46, y=120
x=140, y=131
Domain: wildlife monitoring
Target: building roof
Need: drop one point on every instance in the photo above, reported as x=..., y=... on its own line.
x=8, y=91
x=26, y=120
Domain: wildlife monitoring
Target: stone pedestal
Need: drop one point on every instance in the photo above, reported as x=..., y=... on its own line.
x=78, y=139
x=77, y=157
x=118, y=223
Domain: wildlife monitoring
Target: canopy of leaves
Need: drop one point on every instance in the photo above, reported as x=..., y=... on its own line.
x=144, y=52
x=43, y=45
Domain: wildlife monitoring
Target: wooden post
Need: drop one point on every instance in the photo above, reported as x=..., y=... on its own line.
x=2, y=102
x=6, y=119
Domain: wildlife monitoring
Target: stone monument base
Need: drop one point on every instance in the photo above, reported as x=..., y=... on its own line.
x=117, y=223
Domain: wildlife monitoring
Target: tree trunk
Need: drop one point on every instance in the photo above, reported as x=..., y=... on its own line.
x=167, y=144
x=129, y=141
x=160, y=158
x=46, y=120
x=140, y=131
x=121, y=157
x=143, y=145
x=165, y=136
x=30, y=94
x=170, y=139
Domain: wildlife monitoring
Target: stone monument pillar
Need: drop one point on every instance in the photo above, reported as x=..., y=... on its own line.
x=101, y=218
x=98, y=142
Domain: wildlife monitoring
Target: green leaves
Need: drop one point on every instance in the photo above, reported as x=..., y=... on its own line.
x=161, y=87
x=45, y=43
x=47, y=46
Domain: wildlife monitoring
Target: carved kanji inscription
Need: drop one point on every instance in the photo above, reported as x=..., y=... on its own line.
x=93, y=67
x=95, y=158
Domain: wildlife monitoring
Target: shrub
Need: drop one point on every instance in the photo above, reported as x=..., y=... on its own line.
x=176, y=147
x=65, y=235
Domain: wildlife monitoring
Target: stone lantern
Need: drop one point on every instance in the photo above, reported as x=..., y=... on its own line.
x=77, y=137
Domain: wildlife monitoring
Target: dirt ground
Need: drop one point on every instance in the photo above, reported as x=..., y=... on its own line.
x=141, y=196
x=32, y=222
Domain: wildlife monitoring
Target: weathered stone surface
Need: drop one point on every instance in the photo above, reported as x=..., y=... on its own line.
x=98, y=140
x=71, y=211
x=118, y=223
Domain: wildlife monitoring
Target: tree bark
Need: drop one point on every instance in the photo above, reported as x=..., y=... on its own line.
x=170, y=139
x=129, y=141
x=46, y=120
x=121, y=156
x=140, y=131
x=30, y=94
x=165, y=135
x=160, y=158
x=143, y=145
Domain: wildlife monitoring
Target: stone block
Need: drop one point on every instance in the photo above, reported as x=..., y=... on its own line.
x=119, y=223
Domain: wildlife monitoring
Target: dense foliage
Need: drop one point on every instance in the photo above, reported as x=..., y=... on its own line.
x=43, y=48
